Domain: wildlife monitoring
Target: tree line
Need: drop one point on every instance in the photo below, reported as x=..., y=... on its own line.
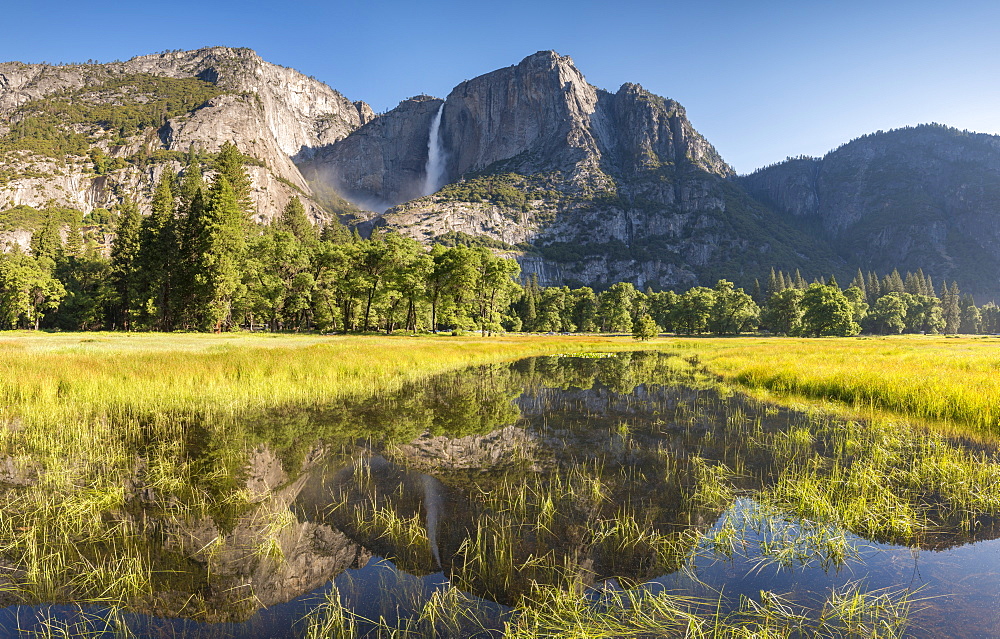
x=198, y=262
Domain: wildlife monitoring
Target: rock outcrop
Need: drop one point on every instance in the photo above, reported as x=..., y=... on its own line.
x=382, y=163
x=272, y=113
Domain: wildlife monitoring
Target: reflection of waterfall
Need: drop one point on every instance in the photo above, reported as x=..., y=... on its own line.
x=432, y=505
x=434, y=172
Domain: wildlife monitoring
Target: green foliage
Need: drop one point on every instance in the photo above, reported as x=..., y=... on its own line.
x=455, y=238
x=782, y=313
x=615, y=306
x=827, y=311
x=28, y=218
x=888, y=316
x=28, y=289
x=501, y=189
x=733, y=311
x=124, y=271
x=219, y=264
x=693, y=310
x=645, y=328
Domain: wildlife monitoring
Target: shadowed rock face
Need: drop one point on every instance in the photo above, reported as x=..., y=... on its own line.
x=925, y=197
x=382, y=163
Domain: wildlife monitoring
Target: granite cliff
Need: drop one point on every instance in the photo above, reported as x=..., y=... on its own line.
x=53, y=118
x=583, y=184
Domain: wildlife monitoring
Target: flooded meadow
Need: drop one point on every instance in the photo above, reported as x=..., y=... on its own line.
x=607, y=495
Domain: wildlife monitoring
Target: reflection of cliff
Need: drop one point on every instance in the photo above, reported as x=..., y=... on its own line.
x=262, y=557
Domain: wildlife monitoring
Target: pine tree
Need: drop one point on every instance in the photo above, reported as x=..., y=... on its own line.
x=873, y=289
x=800, y=283
x=922, y=283
x=157, y=261
x=46, y=242
x=772, y=284
x=950, y=309
x=230, y=164
x=784, y=282
x=124, y=270
x=293, y=219
x=859, y=281
x=219, y=245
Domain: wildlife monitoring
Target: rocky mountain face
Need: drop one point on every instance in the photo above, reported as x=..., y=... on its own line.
x=925, y=197
x=584, y=185
x=272, y=113
x=381, y=164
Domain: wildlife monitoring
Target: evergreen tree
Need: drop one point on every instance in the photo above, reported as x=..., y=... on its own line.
x=230, y=163
x=859, y=282
x=892, y=283
x=950, y=309
x=783, y=282
x=772, y=284
x=125, y=277
x=220, y=246
x=922, y=288
x=293, y=219
x=800, y=282
x=157, y=260
x=46, y=241
x=872, y=289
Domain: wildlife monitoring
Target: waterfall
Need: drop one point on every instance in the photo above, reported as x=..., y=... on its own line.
x=433, y=506
x=434, y=172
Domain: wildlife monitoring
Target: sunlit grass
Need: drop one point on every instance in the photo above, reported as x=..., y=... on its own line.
x=935, y=378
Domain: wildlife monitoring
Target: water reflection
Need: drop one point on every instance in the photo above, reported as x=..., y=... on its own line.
x=571, y=472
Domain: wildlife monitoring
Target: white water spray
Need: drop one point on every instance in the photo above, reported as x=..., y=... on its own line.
x=434, y=172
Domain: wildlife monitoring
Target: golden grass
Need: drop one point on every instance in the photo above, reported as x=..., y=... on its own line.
x=946, y=379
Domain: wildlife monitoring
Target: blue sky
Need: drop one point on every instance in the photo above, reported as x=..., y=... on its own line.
x=761, y=79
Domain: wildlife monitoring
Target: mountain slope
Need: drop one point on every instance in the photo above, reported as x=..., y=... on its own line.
x=924, y=197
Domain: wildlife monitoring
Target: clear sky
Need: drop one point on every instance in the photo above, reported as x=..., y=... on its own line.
x=761, y=79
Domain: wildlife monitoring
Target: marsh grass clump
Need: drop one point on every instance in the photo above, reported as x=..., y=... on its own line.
x=846, y=612
x=888, y=482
